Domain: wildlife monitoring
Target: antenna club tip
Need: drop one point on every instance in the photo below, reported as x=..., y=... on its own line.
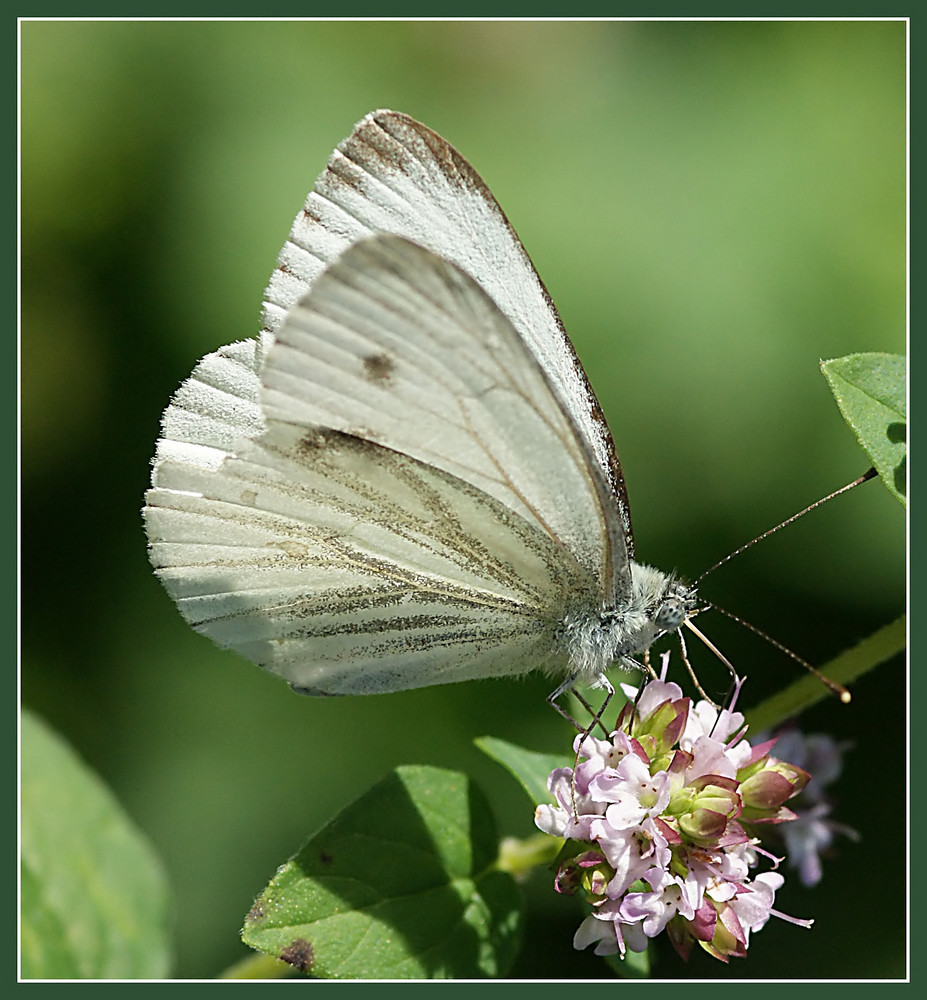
x=846, y=697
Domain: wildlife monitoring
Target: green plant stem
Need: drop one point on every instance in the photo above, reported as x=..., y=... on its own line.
x=850, y=664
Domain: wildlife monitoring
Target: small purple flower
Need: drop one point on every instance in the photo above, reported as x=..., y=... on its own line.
x=660, y=822
x=812, y=831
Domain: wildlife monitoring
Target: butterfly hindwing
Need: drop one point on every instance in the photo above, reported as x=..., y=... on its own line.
x=347, y=567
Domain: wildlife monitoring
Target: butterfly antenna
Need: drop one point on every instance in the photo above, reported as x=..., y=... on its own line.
x=842, y=693
x=843, y=489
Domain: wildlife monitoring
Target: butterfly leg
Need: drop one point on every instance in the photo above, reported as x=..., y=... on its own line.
x=568, y=685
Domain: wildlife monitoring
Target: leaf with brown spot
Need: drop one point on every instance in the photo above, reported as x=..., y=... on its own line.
x=401, y=885
x=299, y=954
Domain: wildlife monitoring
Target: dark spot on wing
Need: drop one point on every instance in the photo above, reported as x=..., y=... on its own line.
x=256, y=912
x=378, y=367
x=299, y=954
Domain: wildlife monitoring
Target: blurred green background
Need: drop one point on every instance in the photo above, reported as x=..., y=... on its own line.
x=714, y=207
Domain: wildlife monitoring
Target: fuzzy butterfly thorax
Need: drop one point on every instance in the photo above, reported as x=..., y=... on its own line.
x=596, y=639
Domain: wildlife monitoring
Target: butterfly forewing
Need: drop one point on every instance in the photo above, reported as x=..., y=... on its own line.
x=396, y=346
x=395, y=175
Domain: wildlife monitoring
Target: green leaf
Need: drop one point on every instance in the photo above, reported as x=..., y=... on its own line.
x=94, y=898
x=529, y=767
x=870, y=391
x=401, y=885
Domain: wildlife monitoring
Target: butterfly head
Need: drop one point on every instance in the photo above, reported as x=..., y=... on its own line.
x=658, y=603
x=676, y=606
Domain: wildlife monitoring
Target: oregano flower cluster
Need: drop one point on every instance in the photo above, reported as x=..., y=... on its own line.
x=661, y=823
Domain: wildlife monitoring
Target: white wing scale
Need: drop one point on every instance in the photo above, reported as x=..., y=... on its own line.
x=218, y=405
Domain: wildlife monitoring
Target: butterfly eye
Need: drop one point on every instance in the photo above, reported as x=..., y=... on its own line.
x=671, y=614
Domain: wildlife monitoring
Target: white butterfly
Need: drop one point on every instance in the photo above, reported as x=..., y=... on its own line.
x=406, y=479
